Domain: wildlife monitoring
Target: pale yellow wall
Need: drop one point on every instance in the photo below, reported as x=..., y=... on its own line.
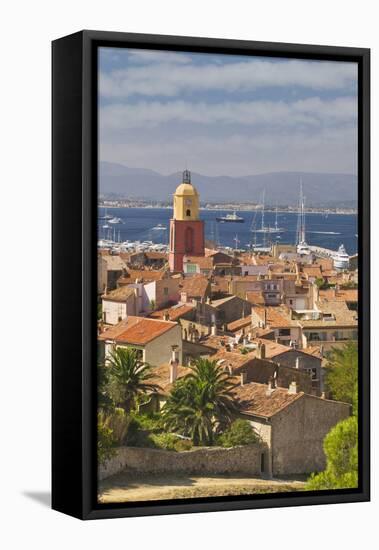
x=158, y=351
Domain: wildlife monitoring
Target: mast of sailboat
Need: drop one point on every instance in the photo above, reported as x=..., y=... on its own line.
x=301, y=216
x=263, y=209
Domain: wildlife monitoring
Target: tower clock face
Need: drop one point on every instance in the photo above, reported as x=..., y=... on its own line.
x=188, y=202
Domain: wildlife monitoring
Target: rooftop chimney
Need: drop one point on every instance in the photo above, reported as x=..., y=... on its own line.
x=261, y=350
x=243, y=377
x=292, y=387
x=270, y=389
x=174, y=362
x=213, y=330
x=166, y=316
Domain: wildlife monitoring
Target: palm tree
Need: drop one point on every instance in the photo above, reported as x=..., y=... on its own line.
x=128, y=377
x=200, y=403
x=104, y=400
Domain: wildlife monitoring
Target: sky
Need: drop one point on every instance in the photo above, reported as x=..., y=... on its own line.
x=226, y=115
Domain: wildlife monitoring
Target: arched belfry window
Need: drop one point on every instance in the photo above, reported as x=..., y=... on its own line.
x=188, y=212
x=189, y=239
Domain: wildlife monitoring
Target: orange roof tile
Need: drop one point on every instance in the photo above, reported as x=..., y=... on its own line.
x=137, y=330
x=255, y=297
x=195, y=286
x=204, y=262
x=174, y=312
x=161, y=376
x=341, y=295
x=119, y=294
x=253, y=399
x=239, y=323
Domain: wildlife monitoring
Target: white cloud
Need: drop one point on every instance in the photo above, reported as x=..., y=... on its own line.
x=149, y=57
x=169, y=78
x=308, y=112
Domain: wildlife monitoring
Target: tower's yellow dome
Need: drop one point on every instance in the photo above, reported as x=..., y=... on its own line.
x=186, y=200
x=186, y=189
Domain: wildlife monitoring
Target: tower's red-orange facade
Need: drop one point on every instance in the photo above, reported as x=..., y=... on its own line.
x=186, y=229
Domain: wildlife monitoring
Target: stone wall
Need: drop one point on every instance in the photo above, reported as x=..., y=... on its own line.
x=205, y=461
x=298, y=434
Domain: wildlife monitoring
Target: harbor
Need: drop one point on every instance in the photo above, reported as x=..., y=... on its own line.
x=146, y=229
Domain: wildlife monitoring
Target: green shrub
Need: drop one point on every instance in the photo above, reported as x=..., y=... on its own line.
x=240, y=432
x=165, y=441
x=105, y=442
x=149, y=421
x=183, y=445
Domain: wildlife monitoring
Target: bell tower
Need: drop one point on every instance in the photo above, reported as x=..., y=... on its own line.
x=186, y=228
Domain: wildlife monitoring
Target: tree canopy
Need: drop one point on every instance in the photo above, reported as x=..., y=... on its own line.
x=341, y=450
x=342, y=374
x=128, y=377
x=200, y=403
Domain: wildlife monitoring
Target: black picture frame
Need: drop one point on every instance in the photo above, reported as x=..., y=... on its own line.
x=74, y=205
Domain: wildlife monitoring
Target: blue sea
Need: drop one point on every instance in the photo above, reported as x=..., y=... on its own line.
x=327, y=231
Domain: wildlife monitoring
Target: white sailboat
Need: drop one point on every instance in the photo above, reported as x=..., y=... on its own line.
x=266, y=228
x=106, y=215
x=302, y=247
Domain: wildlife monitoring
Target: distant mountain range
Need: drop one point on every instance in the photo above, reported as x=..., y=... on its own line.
x=281, y=188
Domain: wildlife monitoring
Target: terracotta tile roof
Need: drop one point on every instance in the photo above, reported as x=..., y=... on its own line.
x=114, y=262
x=239, y=324
x=119, y=294
x=277, y=317
x=315, y=351
x=195, y=286
x=329, y=273
x=220, y=284
x=145, y=275
x=216, y=342
x=312, y=270
x=341, y=316
x=234, y=359
x=154, y=255
x=161, y=376
x=226, y=258
x=174, y=312
x=342, y=295
x=274, y=348
x=204, y=262
x=137, y=330
x=262, y=332
x=262, y=259
x=255, y=297
x=253, y=399
x=247, y=278
x=325, y=263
